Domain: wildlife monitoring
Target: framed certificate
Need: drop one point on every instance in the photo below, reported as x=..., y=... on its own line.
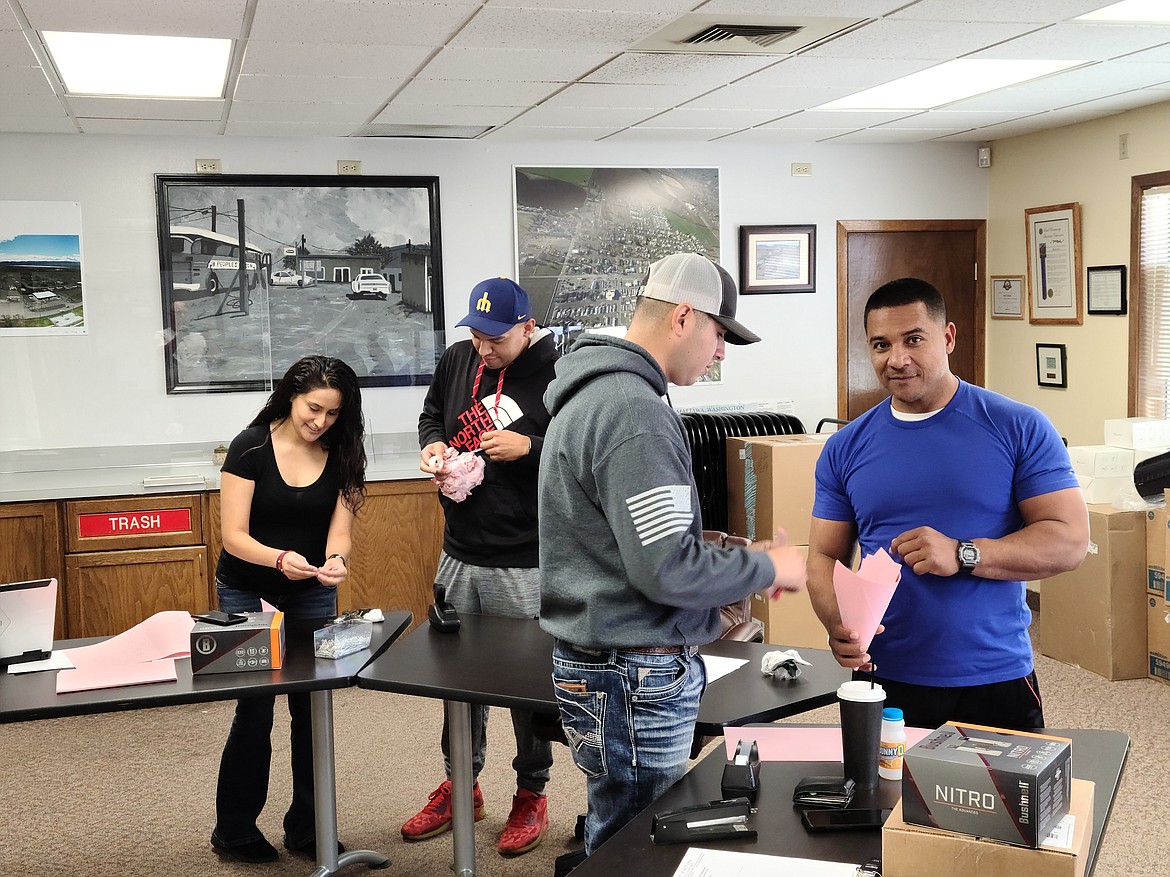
x=1007, y=297
x=1107, y=290
x=1054, y=264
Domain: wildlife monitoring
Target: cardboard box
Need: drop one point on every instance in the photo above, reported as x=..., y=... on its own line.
x=1104, y=490
x=1158, y=637
x=771, y=483
x=917, y=851
x=1011, y=786
x=1095, y=616
x=789, y=620
x=255, y=644
x=1157, y=522
x=1101, y=461
x=1138, y=432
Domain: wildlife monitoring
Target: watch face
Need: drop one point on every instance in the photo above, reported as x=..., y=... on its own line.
x=968, y=554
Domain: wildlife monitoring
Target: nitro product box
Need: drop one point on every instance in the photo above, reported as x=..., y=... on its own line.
x=255, y=644
x=1010, y=786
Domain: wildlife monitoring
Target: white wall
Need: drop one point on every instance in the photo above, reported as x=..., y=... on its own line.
x=108, y=387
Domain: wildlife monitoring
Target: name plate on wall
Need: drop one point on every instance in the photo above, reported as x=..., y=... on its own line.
x=91, y=526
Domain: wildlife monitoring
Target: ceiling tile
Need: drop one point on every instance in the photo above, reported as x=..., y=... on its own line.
x=673, y=6
x=831, y=119
x=666, y=134
x=727, y=120
x=304, y=128
x=446, y=115
x=902, y=39
x=359, y=23
x=25, y=80
x=827, y=8
x=955, y=121
x=1080, y=41
x=748, y=97
x=329, y=59
x=786, y=135
x=292, y=112
x=805, y=71
x=36, y=123
x=1063, y=89
x=889, y=135
x=517, y=65
x=206, y=18
x=309, y=89
x=148, y=127
x=548, y=115
x=517, y=28
x=15, y=51
x=1040, y=11
x=589, y=94
x=669, y=68
x=470, y=92
x=526, y=133
x=132, y=108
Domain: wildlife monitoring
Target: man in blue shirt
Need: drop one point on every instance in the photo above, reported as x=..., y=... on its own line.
x=974, y=494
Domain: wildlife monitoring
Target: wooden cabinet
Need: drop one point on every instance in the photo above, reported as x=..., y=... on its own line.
x=111, y=591
x=130, y=557
x=397, y=537
x=396, y=542
x=30, y=548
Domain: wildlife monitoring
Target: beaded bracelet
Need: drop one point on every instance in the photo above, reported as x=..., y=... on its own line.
x=280, y=562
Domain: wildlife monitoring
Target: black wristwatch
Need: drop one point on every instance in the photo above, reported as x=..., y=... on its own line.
x=968, y=555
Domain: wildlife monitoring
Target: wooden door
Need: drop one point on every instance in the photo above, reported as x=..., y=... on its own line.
x=946, y=253
x=30, y=548
x=108, y=592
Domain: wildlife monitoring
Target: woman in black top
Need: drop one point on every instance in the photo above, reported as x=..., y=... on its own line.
x=290, y=487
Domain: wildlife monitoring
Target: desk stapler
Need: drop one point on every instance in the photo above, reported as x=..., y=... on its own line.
x=715, y=820
x=741, y=775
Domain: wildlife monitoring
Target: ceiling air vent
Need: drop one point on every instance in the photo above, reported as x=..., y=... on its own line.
x=762, y=35
x=443, y=132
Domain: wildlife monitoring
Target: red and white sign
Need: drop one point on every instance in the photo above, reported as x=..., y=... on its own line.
x=134, y=523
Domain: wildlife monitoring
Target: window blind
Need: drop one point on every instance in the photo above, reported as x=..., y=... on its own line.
x=1153, y=353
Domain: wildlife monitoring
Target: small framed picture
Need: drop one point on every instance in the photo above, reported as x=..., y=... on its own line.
x=1051, y=365
x=1007, y=297
x=777, y=258
x=1107, y=290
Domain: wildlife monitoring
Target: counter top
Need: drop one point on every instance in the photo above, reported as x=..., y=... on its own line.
x=147, y=470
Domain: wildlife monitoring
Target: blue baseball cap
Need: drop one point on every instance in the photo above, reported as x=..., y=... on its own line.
x=495, y=306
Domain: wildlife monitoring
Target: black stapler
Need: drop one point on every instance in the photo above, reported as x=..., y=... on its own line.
x=441, y=614
x=715, y=820
x=741, y=775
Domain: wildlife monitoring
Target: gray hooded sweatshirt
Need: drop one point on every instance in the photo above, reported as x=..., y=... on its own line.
x=622, y=558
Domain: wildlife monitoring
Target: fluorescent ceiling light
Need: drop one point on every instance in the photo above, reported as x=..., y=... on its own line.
x=139, y=66
x=946, y=84
x=1130, y=10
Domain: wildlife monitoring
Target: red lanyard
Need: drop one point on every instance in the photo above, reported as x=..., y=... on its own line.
x=499, y=387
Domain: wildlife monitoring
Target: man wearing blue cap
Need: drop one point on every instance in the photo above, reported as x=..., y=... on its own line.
x=487, y=394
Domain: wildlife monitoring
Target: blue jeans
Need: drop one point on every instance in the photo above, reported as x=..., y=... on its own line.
x=629, y=719
x=242, y=789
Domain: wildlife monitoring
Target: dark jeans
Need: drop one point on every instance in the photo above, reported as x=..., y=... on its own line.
x=244, y=767
x=1014, y=704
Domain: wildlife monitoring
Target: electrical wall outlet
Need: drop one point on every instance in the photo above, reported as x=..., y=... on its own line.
x=208, y=166
x=350, y=168
x=801, y=169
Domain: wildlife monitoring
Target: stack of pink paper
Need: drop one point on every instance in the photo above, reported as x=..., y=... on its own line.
x=864, y=596
x=144, y=653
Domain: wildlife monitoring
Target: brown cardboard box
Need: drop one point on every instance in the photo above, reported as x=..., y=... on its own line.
x=776, y=489
x=1158, y=635
x=789, y=620
x=1157, y=521
x=916, y=851
x=1095, y=616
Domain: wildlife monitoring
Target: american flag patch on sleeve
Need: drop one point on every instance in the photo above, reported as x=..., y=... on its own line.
x=661, y=512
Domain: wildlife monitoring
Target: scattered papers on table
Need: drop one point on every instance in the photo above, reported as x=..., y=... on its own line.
x=721, y=863
x=116, y=675
x=55, y=661
x=718, y=667
x=163, y=635
x=864, y=596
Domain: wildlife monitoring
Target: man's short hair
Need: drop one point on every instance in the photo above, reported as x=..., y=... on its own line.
x=907, y=291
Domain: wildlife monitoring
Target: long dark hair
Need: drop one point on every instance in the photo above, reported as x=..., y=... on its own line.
x=345, y=436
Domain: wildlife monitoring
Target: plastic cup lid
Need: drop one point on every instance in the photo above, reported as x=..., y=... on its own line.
x=861, y=691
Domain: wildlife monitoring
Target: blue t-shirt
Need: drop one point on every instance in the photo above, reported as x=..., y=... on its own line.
x=963, y=472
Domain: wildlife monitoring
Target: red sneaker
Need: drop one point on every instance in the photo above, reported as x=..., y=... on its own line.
x=527, y=823
x=435, y=818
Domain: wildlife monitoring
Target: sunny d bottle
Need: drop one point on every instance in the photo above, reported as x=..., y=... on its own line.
x=893, y=745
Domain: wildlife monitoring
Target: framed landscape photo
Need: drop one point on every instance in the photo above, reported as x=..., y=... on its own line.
x=1107, y=289
x=1054, y=264
x=1007, y=297
x=777, y=258
x=1051, y=365
x=349, y=267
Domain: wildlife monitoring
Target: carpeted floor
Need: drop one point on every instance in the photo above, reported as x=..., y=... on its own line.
x=132, y=793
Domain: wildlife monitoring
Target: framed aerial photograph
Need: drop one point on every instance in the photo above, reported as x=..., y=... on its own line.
x=1054, y=264
x=1106, y=291
x=777, y=258
x=349, y=267
x=1051, y=365
x=1007, y=297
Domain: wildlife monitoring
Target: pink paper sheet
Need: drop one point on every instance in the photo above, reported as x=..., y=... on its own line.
x=95, y=676
x=786, y=743
x=163, y=635
x=864, y=596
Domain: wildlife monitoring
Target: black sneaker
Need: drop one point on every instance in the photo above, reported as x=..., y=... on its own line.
x=254, y=851
x=566, y=863
x=309, y=848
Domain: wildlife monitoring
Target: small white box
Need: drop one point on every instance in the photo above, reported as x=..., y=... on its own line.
x=1140, y=456
x=1104, y=489
x=1101, y=461
x=1138, y=432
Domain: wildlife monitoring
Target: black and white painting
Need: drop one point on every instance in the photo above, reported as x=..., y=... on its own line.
x=336, y=266
x=41, y=291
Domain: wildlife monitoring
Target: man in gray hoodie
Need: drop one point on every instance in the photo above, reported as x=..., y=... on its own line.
x=629, y=588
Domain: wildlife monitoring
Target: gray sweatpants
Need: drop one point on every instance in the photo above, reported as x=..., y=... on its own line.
x=510, y=592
